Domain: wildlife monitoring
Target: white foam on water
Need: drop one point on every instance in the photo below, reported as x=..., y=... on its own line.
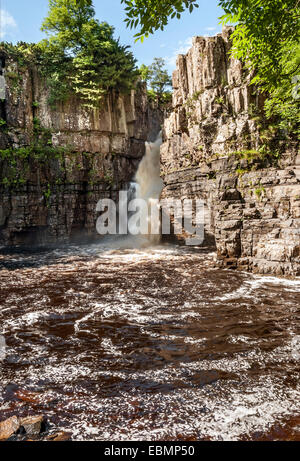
x=226, y=409
x=110, y=348
x=247, y=290
x=230, y=415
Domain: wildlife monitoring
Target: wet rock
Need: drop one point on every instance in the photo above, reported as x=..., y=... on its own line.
x=9, y=427
x=33, y=425
x=20, y=429
x=59, y=437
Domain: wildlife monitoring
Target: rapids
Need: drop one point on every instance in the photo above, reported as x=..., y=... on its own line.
x=117, y=343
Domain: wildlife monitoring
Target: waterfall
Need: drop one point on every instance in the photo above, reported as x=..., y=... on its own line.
x=148, y=181
x=148, y=177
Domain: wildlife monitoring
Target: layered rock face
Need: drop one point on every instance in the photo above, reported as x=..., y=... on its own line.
x=57, y=196
x=217, y=148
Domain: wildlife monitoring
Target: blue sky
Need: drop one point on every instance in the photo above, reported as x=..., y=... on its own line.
x=21, y=20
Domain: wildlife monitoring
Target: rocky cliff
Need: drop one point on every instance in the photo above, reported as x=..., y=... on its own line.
x=55, y=164
x=219, y=148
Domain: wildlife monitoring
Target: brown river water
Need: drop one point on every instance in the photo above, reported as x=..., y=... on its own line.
x=149, y=344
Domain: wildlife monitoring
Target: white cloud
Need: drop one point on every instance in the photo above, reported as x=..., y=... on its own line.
x=183, y=48
x=210, y=29
x=7, y=23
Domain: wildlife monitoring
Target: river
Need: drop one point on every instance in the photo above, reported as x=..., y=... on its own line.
x=156, y=343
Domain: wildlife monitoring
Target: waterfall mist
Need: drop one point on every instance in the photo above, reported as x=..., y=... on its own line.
x=138, y=209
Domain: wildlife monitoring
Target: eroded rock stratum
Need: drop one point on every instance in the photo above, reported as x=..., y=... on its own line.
x=219, y=148
x=63, y=160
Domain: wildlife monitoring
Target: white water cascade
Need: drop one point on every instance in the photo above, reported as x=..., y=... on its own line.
x=148, y=177
x=149, y=184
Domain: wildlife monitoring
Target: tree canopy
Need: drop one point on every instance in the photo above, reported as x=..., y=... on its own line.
x=158, y=78
x=266, y=39
x=83, y=54
x=69, y=23
x=152, y=15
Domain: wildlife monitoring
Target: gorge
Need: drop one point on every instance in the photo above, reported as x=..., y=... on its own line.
x=217, y=147
x=114, y=340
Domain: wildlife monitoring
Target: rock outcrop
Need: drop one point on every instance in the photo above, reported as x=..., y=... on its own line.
x=31, y=429
x=52, y=198
x=218, y=148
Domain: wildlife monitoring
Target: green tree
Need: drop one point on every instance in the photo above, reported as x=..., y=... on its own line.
x=82, y=54
x=145, y=73
x=157, y=77
x=266, y=39
x=70, y=24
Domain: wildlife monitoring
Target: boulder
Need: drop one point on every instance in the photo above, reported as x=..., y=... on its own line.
x=9, y=427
